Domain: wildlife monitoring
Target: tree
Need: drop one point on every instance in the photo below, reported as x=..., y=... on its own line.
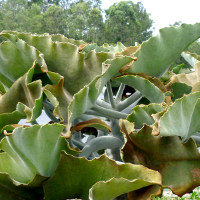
x=78, y=14
x=53, y=20
x=96, y=26
x=14, y=14
x=127, y=22
x=143, y=31
x=84, y=21
x=35, y=19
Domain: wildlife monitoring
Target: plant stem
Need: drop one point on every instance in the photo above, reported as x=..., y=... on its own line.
x=130, y=100
x=114, y=125
x=116, y=133
x=79, y=144
x=103, y=104
x=109, y=113
x=48, y=105
x=94, y=113
x=50, y=115
x=119, y=93
x=110, y=94
x=99, y=143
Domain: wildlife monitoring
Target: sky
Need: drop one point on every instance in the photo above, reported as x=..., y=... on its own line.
x=165, y=12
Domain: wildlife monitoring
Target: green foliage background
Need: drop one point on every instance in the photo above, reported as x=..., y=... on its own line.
x=79, y=19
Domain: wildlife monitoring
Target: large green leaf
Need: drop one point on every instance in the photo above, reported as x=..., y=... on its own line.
x=116, y=186
x=64, y=58
x=18, y=56
x=182, y=117
x=32, y=154
x=156, y=54
x=74, y=178
x=178, y=163
x=148, y=89
x=62, y=38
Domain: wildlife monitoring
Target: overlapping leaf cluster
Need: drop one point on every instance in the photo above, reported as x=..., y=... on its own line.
x=110, y=101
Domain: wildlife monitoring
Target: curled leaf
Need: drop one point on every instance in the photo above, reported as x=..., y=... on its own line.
x=119, y=178
x=168, y=155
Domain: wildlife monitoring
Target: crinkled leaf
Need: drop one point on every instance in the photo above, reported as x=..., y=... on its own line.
x=59, y=98
x=22, y=100
x=96, y=123
x=118, y=48
x=190, y=79
x=90, y=47
x=182, y=118
x=114, y=187
x=18, y=56
x=142, y=114
x=148, y=89
x=64, y=58
x=32, y=154
x=178, y=163
x=62, y=38
x=75, y=176
x=156, y=54
x=128, y=51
